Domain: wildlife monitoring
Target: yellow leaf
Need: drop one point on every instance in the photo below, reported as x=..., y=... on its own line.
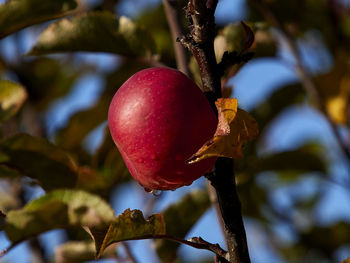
x=234, y=128
x=334, y=89
x=346, y=260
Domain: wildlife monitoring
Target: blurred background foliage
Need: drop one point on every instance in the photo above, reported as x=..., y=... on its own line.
x=54, y=97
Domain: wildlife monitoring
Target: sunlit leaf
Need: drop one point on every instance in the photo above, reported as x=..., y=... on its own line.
x=234, y=128
x=334, y=89
x=75, y=252
x=37, y=158
x=179, y=219
x=241, y=37
x=346, y=260
x=18, y=14
x=8, y=200
x=57, y=209
x=95, y=32
x=132, y=225
x=12, y=97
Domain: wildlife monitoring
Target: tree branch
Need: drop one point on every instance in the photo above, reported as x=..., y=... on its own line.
x=304, y=76
x=201, y=43
x=128, y=252
x=174, y=23
x=223, y=181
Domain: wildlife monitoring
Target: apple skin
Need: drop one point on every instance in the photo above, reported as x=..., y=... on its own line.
x=159, y=118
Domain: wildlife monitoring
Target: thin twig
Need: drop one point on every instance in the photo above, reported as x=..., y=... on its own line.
x=3, y=252
x=128, y=252
x=172, y=16
x=214, y=202
x=195, y=242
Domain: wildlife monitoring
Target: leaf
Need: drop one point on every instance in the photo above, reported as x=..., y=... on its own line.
x=37, y=158
x=12, y=97
x=179, y=219
x=75, y=252
x=6, y=172
x=57, y=209
x=109, y=162
x=131, y=225
x=338, y=234
x=234, y=128
x=334, y=89
x=18, y=14
x=346, y=260
x=279, y=100
x=47, y=79
x=95, y=32
x=255, y=37
x=299, y=160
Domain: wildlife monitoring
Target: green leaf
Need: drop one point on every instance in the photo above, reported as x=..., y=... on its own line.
x=47, y=79
x=12, y=97
x=79, y=252
x=6, y=172
x=314, y=238
x=303, y=159
x=110, y=162
x=95, y=32
x=37, y=158
x=131, y=225
x=179, y=219
x=57, y=209
x=75, y=252
x=18, y=14
x=277, y=102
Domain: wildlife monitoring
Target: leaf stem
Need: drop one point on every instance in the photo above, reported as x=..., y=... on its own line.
x=195, y=242
x=128, y=252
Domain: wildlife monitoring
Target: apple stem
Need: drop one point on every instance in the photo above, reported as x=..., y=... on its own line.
x=200, y=42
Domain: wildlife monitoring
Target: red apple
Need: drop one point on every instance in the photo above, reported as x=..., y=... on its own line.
x=158, y=118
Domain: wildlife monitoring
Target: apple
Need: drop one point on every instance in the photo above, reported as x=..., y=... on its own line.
x=159, y=118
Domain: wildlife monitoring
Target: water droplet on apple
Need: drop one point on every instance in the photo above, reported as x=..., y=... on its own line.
x=140, y=160
x=156, y=192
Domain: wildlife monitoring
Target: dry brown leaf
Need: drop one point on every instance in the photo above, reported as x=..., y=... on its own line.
x=234, y=128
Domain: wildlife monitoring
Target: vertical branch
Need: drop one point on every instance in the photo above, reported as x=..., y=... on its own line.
x=201, y=43
x=224, y=183
x=172, y=16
